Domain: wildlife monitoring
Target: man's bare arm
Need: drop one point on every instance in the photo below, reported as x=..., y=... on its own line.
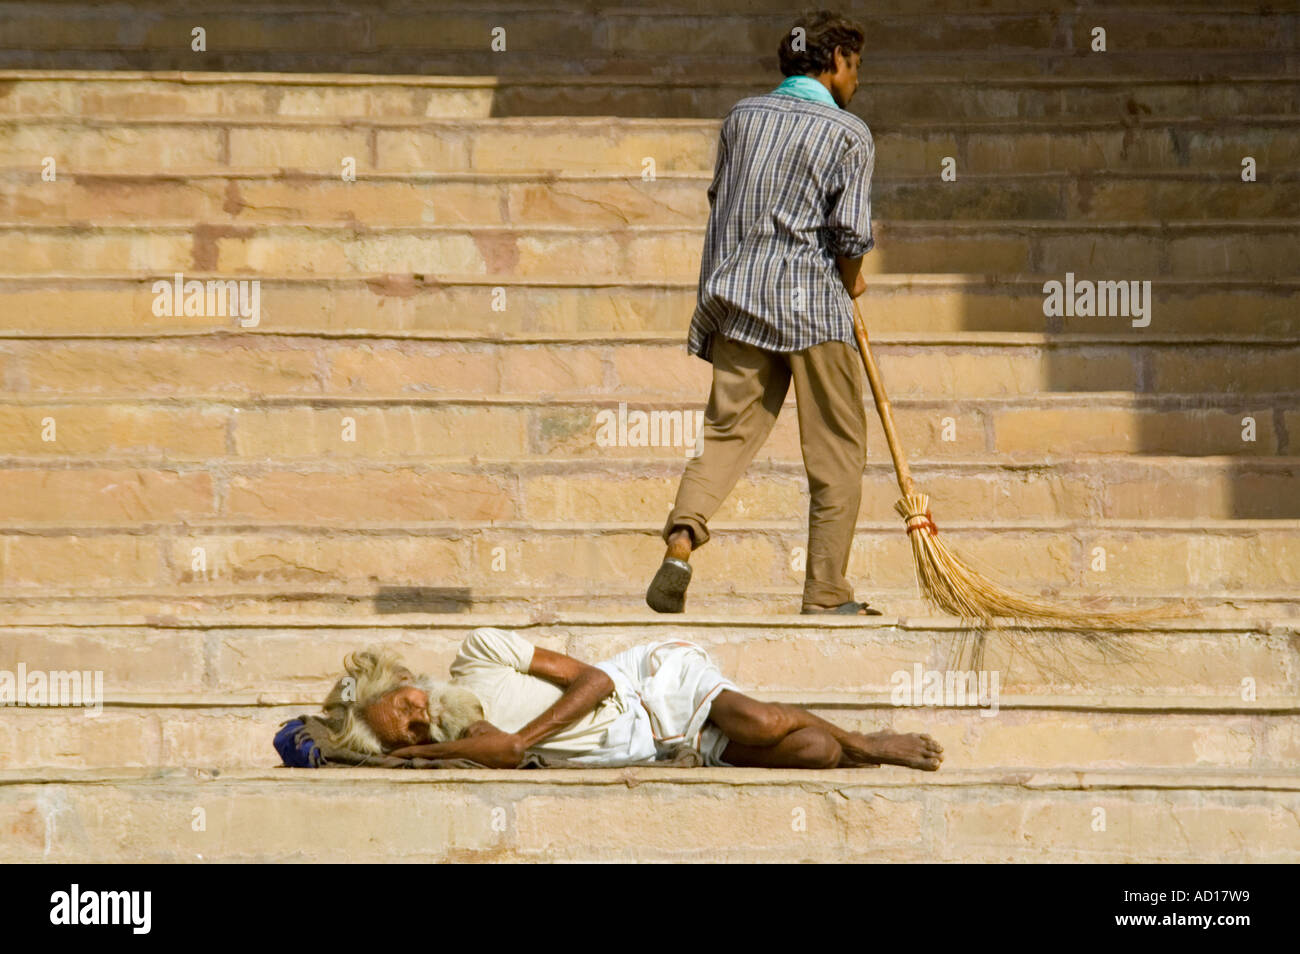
x=851, y=275
x=584, y=688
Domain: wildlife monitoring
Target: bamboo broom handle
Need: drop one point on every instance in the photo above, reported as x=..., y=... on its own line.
x=882, y=404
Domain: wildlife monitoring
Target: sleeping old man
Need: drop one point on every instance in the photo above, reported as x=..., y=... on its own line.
x=509, y=699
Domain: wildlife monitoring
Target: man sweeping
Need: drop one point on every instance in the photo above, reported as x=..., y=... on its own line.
x=790, y=221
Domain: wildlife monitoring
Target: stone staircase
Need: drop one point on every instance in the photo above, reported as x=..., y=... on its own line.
x=500, y=275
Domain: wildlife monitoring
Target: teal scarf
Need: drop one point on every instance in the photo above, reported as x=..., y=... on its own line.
x=805, y=87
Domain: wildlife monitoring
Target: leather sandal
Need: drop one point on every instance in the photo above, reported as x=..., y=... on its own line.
x=667, y=592
x=851, y=608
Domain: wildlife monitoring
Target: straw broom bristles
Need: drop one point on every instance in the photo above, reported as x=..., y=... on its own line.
x=948, y=581
x=958, y=588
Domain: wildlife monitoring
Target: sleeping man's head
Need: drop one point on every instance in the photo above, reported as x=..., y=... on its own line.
x=400, y=718
x=384, y=706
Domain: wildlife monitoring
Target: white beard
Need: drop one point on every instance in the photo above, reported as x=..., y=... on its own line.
x=452, y=709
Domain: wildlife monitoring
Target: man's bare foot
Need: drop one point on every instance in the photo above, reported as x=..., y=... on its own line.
x=910, y=750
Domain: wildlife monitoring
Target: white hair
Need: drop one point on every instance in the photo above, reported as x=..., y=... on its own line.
x=452, y=709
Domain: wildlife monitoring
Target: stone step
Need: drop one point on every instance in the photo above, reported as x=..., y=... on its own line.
x=139, y=95
x=457, y=39
x=620, y=146
x=1259, y=249
x=626, y=32
x=672, y=8
x=234, y=660
x=976, y=365
x=649, y=814
x=410, y=307
x=222, y=663
x=95, y=495
x=462, y=563
x=613, y=202
x=208, y=693
x=975, y=66
x=1016, y=734
x=71, y=603
x=408, y=428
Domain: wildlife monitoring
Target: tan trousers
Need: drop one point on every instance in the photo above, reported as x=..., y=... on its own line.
x=749, y=386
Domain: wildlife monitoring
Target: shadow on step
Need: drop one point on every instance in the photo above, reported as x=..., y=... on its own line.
x=423, y=599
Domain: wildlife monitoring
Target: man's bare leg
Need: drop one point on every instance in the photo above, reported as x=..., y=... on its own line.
x=753, y=725
x=802, y=748
x=680, y=543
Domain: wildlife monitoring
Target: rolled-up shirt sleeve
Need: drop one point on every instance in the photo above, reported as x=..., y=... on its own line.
x=848, y=224
x=488, y=647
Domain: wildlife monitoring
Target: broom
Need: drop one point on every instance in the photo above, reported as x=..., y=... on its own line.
x=946, y=580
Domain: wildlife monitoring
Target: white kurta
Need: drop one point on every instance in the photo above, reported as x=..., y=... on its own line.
x=662, y=696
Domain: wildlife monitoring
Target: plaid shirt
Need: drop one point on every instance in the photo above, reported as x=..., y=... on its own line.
x=792, y=189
